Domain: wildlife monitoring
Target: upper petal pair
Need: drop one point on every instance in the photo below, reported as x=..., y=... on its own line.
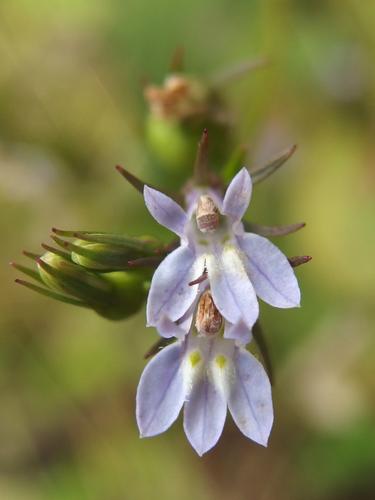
x=169, y=214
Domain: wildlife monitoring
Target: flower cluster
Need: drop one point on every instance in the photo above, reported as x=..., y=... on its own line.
x=205, y=285
x=214, y=276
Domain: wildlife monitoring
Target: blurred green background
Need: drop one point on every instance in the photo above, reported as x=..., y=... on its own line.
x=71, y=107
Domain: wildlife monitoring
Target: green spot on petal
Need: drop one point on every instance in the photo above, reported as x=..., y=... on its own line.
x=221, y=361
x=195, y=358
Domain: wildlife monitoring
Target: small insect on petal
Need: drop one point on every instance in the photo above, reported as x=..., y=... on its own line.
x=207, y=215
x=208, y=320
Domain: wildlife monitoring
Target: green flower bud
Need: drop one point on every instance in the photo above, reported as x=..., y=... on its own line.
x=172, y=145
x=107, y=252
x=113, y=295
x=130, y=290
x=65, y=276
x=179, y=110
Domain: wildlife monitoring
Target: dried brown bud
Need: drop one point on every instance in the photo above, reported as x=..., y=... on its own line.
x=207, y=215
x=208, y=320
x=179, y=98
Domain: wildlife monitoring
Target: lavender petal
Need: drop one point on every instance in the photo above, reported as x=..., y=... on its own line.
x=231, y=288
x=250, y=400
x=270, y=272
x=165, y=210
x=237, y=196
x=170, y=294
x=204, y=415
x=160, y=393
x=238, y=331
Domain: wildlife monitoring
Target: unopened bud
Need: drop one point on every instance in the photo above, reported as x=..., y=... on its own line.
x=208, y=319
x=114, y=295
x=207, y=215
x=106, y=252
x=179, y=109
x=180, y=97
x=63, y=275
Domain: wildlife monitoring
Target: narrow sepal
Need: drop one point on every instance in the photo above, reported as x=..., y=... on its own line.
x=132, y=179
x=177, y=62
x=299, y=260
x=234, y=164
x=142, y=244
x=201, y=161
x=51, y=294
x=270, y=231
x=261, y=342
x=31, y=255
x=262, y=173
x=28, y=271
x=74, y=280
x=56, y=251
x=157, y=347
x=238, y=71
x=151, y=262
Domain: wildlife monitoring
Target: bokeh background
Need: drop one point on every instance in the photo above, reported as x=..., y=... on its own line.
x=71, y=107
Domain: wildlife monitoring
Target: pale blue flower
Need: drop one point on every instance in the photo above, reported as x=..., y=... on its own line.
x=240, y=266
x=206, y=376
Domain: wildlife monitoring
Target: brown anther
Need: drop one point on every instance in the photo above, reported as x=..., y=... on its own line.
x=208, y=320
x=207, y=215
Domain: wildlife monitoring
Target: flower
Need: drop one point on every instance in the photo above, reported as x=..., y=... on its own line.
x=205, y=373
x=239, y=266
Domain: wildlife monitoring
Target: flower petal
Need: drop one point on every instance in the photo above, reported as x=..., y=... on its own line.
x=238, y=331
x=170, y=294
x=231, y=288
x=238, y=194
x=221, y=293
x=270, y=272
x=160, y=393
x=204, y=415
x=250, y=400
x=167, y=328
x=165, y=210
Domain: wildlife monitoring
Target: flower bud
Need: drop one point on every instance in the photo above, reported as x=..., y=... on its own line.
x=207, y=215
x=178, y=112
x=110, y=257
x=114, y=295
x=129, y=292
x=179, y=98
x=63, y=275
x=106, y=252
x=208, y=319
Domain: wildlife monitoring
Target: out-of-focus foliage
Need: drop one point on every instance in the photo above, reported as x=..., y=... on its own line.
x=71, y=107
